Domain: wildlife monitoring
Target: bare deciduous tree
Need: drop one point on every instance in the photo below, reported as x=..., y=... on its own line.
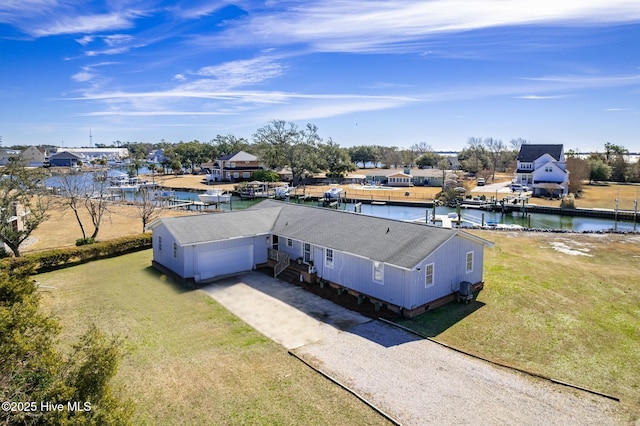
x=85, y=193
x=24, y=204
x=147, y=207
x=495, y=147
x=281, y=144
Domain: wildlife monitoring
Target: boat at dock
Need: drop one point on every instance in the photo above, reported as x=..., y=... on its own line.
x=333, y=193
x=214, y=196
x=283, y=191
x=124, y=185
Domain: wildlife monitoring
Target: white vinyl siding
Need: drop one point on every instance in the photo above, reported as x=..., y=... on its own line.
x=469, y=262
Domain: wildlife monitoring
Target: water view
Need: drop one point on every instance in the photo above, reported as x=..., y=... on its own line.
x=470, y=216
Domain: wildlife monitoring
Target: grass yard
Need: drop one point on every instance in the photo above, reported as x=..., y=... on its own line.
x=603, y=196
x=189, y=361
x=565, y=306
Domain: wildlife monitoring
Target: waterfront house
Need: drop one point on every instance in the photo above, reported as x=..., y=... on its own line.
x=86, y=155
x=400, y=179
x=7, y=155
x=233, y=167
x=64, y=159
x=543, y=169
x=34, y=156
x=406, y=177
x=407, y=267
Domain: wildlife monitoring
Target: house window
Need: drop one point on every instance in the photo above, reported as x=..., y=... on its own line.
x=307, y=252
x=548, y=169
x=236, y=175
x=328, y=258
x=428, y=275
x=175, y=250
x=159, y=242
x=232, y=165
x=246, y=174
x=470, y=262
x=378, y=272
x=289, y=242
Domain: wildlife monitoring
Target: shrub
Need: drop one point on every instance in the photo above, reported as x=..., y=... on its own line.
x=59, y=258
x=85, y=241
x=568, y=202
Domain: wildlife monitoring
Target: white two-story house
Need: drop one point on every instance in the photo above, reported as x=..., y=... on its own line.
x=543, y=169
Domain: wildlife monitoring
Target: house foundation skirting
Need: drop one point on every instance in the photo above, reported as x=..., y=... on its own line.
x=408, y=313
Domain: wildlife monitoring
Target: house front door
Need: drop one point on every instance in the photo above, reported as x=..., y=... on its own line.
x=275, y=243
x=307, y=254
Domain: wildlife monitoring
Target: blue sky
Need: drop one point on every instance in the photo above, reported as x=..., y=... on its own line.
x=365, y=72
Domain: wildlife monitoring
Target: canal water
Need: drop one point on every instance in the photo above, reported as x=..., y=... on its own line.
x=469, y=216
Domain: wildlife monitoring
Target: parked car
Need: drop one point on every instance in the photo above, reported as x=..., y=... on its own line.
x=480, y=181
x=516, y=187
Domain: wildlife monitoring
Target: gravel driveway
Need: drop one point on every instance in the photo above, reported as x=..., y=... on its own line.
x=415, y=381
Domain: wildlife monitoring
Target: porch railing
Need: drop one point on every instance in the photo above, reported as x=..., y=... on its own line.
x=282, y=261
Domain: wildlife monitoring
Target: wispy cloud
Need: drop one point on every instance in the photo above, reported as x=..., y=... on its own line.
x=194, y=9
x=85, y=24
x=199, y=103
x=541, y=97
x=232, y=74
x=383, y=26
x=42, y=18
x=590, y=80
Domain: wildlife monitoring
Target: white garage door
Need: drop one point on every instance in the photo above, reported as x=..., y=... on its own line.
x=215, y=263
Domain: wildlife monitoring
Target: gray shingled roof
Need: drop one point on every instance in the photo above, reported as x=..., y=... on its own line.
x=403, y=244
x=390, y=241
x=194, y=229
x=531, y=152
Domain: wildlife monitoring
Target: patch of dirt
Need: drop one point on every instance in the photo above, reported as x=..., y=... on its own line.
x=564, y=248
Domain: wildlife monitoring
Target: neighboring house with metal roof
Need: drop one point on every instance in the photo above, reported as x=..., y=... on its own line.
x=406, y=266
x=542, y=168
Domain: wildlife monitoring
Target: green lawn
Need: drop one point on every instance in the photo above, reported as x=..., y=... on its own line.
x=188, y=360
x=572, y=317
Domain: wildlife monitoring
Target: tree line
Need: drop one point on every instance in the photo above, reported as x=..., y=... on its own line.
x=278, y=144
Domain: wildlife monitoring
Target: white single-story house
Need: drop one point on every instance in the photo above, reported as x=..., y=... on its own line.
x=88, y=154
x=542, y=168
x=399, y=179
x=407, y=177
x=405, y=266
